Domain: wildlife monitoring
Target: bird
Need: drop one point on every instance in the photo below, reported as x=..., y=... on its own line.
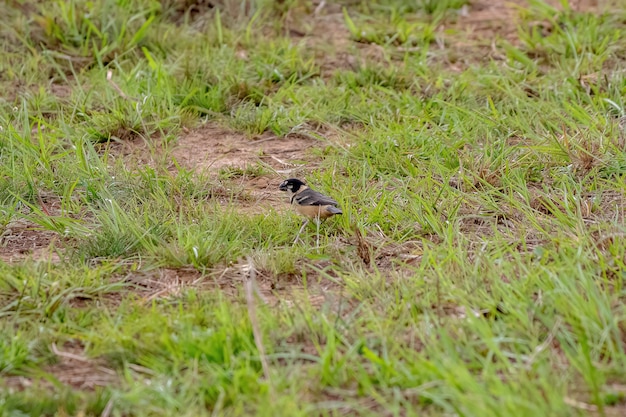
x=309, y=203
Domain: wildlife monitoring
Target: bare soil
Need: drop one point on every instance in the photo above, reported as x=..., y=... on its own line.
x=71, y=368
x=21, y=240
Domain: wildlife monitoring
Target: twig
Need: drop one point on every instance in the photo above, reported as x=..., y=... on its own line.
x=545, y=344
x=280, y=161
x=118, y=89
x=141, y=369
x=67, y=354
x=579, y=404
x=43, y=206
x=108, y=408
x=409, y=48
x=319, y=7
x=609, y=236
x=256, y=142
x=256, y=329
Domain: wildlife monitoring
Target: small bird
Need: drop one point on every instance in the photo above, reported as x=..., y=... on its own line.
x=309, y=203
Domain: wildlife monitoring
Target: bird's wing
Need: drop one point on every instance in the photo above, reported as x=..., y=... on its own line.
x=310, y=197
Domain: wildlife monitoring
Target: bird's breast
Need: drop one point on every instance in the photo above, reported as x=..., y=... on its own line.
x=314, y=211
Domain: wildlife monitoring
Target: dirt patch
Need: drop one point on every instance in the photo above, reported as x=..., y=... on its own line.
x=134, y=150
x=61, y=90
x=165, y=283
x=22, y=239
x=609, y=208
x=273, y=290
x=256, y=165
x=582, y=399
x=484, y=19
x=72, y=369
x=466, y=37
x=285, y=289
x=333, y=47
x=472, y=37
x=213, y=148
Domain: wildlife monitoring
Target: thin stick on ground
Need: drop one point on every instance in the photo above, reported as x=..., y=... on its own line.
x=319, y=7
x=118, y=89
x=67, y=355
x=256, y=329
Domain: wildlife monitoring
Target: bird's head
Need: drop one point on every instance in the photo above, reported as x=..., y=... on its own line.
x=292, y=185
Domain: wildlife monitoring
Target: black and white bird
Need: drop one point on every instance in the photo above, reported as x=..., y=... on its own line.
x=309, y=203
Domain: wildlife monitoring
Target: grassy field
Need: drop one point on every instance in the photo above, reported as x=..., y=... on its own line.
x=477, y=149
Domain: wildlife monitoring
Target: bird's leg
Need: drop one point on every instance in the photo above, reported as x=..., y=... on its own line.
x=301, y=229
x=317, y=224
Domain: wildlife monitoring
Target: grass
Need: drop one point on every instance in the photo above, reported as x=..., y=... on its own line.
x=485, y=178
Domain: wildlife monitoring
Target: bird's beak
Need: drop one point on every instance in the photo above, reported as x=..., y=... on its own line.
x=283, y=187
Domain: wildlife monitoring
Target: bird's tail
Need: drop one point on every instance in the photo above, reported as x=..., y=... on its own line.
x=334, y=210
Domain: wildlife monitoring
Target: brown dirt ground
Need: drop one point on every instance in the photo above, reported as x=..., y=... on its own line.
x=21, y=240
x=71, y=368
x=212, y=149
